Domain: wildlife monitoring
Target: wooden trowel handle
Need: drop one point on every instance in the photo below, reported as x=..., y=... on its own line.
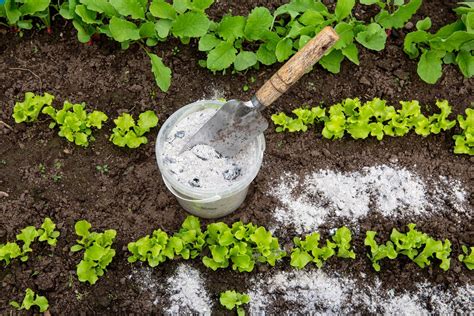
x=297, y=66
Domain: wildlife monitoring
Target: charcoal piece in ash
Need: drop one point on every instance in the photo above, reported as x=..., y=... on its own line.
x=232, y=174
x=195, y=183
x=179, y=134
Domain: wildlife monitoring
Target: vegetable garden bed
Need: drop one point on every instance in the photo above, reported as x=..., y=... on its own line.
x=307, y=183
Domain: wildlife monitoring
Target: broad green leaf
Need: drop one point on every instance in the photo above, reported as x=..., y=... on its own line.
x=84, y=33
x=284, y=49
x=123, y=30
x=332, y=61
x=311, y=18
x=161, y=72
x=221, y=57
x=231, y=27
x=208, y=42
x=100, y=6
x=131, y=8
x=33, y=6
x=465, y=61
x=147, y=120
x=352, y=53
x=346, y=35
x=162, y=9
x=245, y=60
x=258, y=22
x=82, y=228
x=430, y=66
x=399, y=17
x=374, y=37
x=266, y=56
x=412, y=39
x=147, y=30
x=163, y=27
x=86, y=15
x=469, y=22
x=190, y=24
x=344, y=8
x=86, y=272
x=201, y=5
x=12, y=12
x=424, y=24
x=181, y=5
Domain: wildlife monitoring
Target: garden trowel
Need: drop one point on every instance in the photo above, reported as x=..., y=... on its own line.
x=237, y=123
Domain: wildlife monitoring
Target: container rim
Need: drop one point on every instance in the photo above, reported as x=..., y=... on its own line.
x=200, y=193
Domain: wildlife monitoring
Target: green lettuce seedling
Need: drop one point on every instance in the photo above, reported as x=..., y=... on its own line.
x=75, y=124
x=32, y=299
x=464, y=142
x=27, y=235
x=233, y=299
x=342, y=238
x=48, y=233
x=151, y=249
x=9, y=251
x=30, y=108
x=127, y=133
x=242, y=245
x=377, y=252
x=373, y=118
x=307, y=250
x=193, y=239
x=468, y=257
x=98, y=252
x=187, y=243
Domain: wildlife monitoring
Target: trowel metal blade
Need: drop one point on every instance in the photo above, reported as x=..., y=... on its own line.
x=233, y=126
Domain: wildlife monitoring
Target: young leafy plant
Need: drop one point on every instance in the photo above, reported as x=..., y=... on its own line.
x=30, y=108
x=467, y=257
x=32, y=299
x=417, y=246
x=233, y=299
x=308, y=249
x=75, y=123
x=451, y=44
x=130, y=134
x=377, y=252
x=27, y=236
x=242, y=245
x=48, y=233
x=156, y=249
x=98, y=252
x=373, y=118
x=19, y=13
x=464, y=142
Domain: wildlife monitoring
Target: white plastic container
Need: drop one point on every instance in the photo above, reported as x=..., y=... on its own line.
x=206, y=203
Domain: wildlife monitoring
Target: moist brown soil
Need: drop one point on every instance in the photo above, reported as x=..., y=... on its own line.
x=132, y=198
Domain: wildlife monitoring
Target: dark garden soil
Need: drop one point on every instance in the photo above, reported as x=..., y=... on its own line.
x=132, y=198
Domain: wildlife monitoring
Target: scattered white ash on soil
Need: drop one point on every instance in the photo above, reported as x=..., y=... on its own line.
x=187, y=292
x=202, y=166
x=146, y=282
x=316, y=292
x=393, y=192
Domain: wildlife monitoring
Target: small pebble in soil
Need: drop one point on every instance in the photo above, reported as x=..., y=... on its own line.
x=202, y=166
